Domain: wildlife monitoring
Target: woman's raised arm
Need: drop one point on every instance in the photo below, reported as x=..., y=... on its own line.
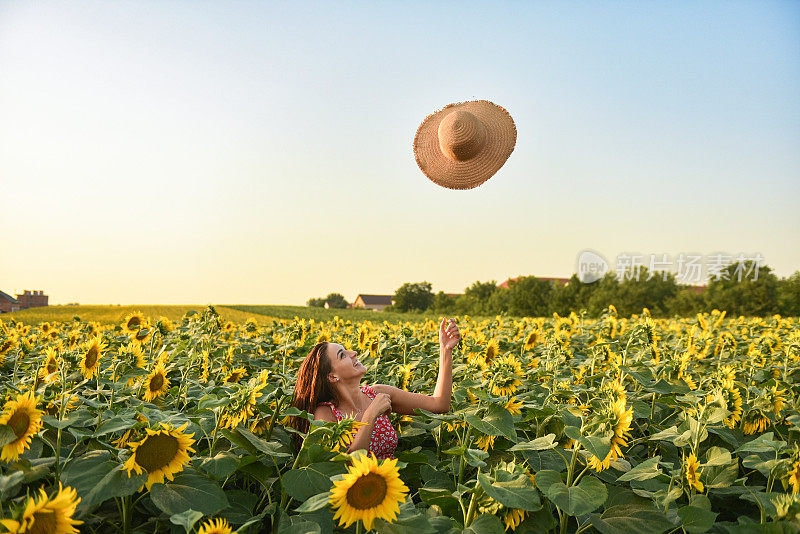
x=405, y=402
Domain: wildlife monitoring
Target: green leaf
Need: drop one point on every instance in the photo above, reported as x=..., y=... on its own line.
x=267, y=447
x=539, y=444
x=304, y=482
x=189, y=491
x=474, y=457
x=631, y=519
x=115, y=424
x=497, y=422
x=293, y=526
x=314, y=503
x=598, y=445
x=97, y=477
x=186, y=519
x=717, y=456
x=578, y=500
x=696, y=519
x=643, y=471
x=485, y=524
x=763, y=443
x=7, y=435
x=515, y=492
x=8, y=483
x=221, y=465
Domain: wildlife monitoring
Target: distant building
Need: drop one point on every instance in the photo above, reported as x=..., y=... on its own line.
x=8, y=303
x=24, y=300
x=553, y=281
x=372, y=302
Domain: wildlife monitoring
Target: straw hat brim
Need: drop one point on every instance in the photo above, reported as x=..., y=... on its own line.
x=501, y=136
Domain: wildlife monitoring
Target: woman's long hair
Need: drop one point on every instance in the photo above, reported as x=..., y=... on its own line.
x=311, y=388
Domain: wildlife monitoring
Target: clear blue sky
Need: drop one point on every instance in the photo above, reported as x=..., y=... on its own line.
x=261, y=152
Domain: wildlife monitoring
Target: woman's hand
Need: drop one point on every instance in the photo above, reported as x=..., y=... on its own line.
x=380, y=404
x=449, y=336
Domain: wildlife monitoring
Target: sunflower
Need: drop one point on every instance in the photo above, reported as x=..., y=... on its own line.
x=491, y=351
x=363, y=336
x=511, y=517
x=507, y=372
x=6, y=346
x=25, y=420
x=368, y=491
x=50, y=367
x=513, y=406
x=324, y=335
x=692, y=475
x=91, y=357
x=346, y=429
x=133, y=322
x=162, y=453
x=777, y=399
x=156, y=383
x=142, y=335
x=164, y=325
x=452, y=426
x=485, y=443
x=47, y=515
x=72, y=339
x=616, y=420
x=215, y=526
x=794, y=477
x=204, y=371
x=122, y=441
x=733, y=400
x=531, y=339
x=241, y=407
x=755, y=422
x=406, y=375
x=234, y=375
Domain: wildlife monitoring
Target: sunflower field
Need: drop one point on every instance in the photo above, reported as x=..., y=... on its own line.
x=562, y=424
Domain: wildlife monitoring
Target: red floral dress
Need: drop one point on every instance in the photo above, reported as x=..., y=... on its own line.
x=383, y=441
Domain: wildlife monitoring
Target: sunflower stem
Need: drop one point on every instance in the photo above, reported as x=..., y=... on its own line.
x=473, y=505
x=462, y=462
x=61, y=411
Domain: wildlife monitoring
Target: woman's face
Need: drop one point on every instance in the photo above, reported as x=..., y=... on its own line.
x=344, y=363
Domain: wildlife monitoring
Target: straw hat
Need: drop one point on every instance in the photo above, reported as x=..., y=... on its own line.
x=464, y=144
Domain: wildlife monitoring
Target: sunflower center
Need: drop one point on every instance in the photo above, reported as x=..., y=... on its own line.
x=156, y=452
x=368, y=491
x=134, y=322
x=44, y=522
x=157, y=382
x=19, y=423
x=91, y=357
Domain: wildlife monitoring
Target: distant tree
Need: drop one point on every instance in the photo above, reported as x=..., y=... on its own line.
x=567, y=298
x=747, y=297
x=789, y=295
x=686, y=302
x=604, y=292
x=478, y=297
x=413, y=296
x=444, y=303
x=334, y=300
x=529, y=296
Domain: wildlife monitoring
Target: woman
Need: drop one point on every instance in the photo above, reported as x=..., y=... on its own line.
x=329, y=386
